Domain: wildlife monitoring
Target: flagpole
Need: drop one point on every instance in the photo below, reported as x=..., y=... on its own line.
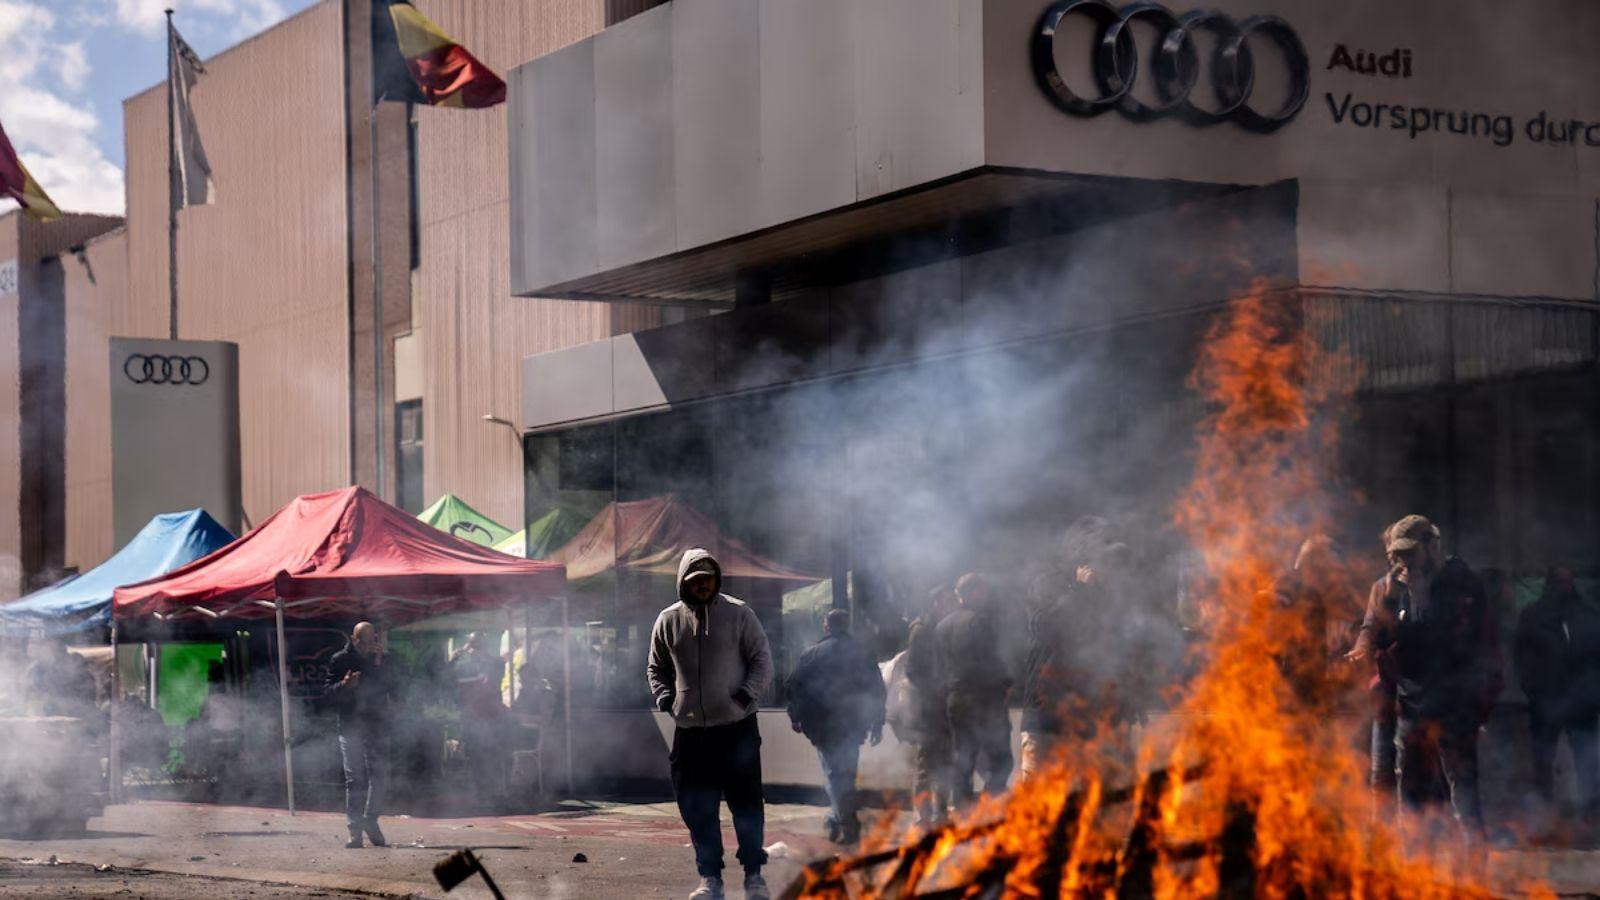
x=172, y=194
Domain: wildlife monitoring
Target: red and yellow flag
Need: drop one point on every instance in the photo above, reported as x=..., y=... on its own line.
x=442, y=72
x=16, y=183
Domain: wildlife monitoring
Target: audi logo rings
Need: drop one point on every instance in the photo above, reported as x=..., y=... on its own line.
x=1175, y=68
x=155, y=368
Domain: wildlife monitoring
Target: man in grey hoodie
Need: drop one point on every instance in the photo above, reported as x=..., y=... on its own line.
x=709, y=665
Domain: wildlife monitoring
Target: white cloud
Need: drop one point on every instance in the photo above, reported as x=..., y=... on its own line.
x=73, y=66
x=246, y=16
x=52, y=131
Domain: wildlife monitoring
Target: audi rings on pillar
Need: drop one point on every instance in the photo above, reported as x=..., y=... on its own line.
x=1181, y=85
x=156, y=368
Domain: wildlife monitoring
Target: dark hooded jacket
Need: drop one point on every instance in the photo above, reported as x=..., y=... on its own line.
x=709, y=662
x=1558, y=655
x=836, y=693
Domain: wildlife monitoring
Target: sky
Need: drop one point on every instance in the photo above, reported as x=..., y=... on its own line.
x=67, y=65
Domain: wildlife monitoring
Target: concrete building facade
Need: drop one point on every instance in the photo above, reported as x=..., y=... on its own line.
x=936, y=311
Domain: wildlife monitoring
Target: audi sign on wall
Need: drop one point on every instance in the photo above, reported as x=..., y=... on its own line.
x=1147, y=61
x=164, y=368
x=174, y=431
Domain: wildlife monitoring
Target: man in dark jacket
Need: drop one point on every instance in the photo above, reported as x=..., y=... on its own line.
x=1438, y=648
x=836, y=698
x=976, y=681
x=709, y=665
x=930, y=778
x=1558, y=665
x=360, y=689
x=1051, y=683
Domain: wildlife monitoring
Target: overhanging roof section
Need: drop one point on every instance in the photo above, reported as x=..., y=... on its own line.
x=704, y=141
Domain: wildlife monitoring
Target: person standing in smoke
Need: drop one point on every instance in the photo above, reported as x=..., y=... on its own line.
x=1557, y=661
x=1051, y=680
x=930, y=778
x=360, y=689
x=1380, y=692
x=483, y=717
x=976, y=684
x=1329, y=609
x=1438, y=646
x=709, y=665
x=836, y=698
x=59, y=683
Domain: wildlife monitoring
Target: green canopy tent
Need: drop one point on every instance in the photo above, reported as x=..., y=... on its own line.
x=549, y=531
x=454, y=516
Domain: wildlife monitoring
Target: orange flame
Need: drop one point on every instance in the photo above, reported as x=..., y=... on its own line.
x=1281, y=808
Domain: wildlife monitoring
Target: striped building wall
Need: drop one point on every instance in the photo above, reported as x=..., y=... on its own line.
x=474, y=333
x=266, y=264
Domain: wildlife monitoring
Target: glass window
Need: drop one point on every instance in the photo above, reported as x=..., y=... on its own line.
x=408, y=455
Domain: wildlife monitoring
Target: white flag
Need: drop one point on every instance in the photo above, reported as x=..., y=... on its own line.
x=191, y=173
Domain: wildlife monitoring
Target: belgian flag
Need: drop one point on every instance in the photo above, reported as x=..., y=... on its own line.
x=414, y=61
x=18, y=184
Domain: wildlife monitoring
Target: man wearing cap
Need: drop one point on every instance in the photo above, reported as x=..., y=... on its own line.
x=1434, y=639
x=709, y=665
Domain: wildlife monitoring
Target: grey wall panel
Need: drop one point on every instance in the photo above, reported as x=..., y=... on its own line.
x=664, y=365
x=522, y=177
x=563, y=126
x=634, y=139
x=808, y=114
x=569, y=384
x=716, y=69
x=919, y=99
x=173, y=446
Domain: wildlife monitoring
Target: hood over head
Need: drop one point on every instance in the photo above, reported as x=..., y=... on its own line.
x=698, y=559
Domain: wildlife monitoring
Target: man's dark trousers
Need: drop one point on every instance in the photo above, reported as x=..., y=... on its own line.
x=840, y=759
x=363, y=777
x=1451, y=745
x=1546, y=723
x=980, y=742
x=708, y=766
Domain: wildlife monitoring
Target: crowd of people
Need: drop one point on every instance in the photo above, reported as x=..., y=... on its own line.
x=1417, y=654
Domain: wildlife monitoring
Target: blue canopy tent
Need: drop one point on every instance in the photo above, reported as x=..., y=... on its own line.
x=82, y=604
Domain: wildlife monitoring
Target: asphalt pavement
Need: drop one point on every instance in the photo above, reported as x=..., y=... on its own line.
x=580, y=850
x=630, y=850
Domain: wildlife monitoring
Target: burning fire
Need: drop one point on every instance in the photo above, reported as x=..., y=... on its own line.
x=1255, y=787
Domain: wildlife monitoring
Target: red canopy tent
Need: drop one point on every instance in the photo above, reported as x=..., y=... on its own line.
x=650, y=536
x=344, y=554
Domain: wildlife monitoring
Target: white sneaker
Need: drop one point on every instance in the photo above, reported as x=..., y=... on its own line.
x=755, y=887
x=709, y=889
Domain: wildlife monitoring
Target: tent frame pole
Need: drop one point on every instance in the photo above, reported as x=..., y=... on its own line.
x=566, y=689
x=113, y=751
x=283, y=706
